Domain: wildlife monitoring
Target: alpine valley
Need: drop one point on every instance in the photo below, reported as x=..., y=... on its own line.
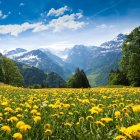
x=96, y=61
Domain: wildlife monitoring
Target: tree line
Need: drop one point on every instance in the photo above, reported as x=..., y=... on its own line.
x=129, y=71
x=17, y=74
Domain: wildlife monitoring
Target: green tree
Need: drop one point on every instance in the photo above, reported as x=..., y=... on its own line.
x=10, y=72
x=78, y=80
x=117, y=78
x=130, y=62
x=72, y=82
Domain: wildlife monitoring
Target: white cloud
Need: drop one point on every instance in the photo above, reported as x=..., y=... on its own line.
x=57, y=12
x=56, y=25
x=16, y=29
x=64, y=22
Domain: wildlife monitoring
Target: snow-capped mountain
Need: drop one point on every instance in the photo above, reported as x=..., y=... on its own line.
x=97, y=61
x=115, y=43
x=90, y=58
x=14, y=53
x=42, y=59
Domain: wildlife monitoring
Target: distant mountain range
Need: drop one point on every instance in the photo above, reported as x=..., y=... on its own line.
x=97, y=61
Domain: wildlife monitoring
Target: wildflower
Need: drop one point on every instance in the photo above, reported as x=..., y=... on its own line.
x=48, y=132
x=70, y=113
x=136, y=108
x=18, y=109
x=117, y=114
x=17, y=136
x=8, y=109
x=47, y=126
x=6, y=128
x=132, y=131
x=61, y=113
x=37, y=119
x=12, y=119
x=96, y=110
x=19, y=124
x=107, y=120
x=89, y=118
x=25, y=127
x=4, y=103
x=34, y=111
x=68, y=124
x=99, y=123
x=1, y=114
x=19, y=115
x=120, y=137
x=121, y=104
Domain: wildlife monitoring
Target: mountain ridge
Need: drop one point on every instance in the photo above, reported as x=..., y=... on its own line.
x=94, y=60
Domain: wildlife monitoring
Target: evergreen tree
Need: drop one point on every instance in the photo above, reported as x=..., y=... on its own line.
x=130, y=62
x=78, y=80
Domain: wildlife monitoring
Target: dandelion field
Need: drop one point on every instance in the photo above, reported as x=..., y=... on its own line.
x=69, y=114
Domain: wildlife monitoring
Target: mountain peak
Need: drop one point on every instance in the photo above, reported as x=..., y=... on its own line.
x=14, y=52
x=115, y=43
x=120, y=37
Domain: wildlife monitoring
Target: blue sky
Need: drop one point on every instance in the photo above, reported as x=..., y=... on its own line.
x=57, y=24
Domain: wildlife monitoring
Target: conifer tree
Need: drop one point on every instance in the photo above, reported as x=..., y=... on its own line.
x=78, y=80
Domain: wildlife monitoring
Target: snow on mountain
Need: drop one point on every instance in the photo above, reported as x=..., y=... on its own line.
x=14, y=53
x=115, y=43
x=67, y=60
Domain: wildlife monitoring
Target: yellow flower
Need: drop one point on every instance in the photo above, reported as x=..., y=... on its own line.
x=1, y=114
x=4, y=103
x=106, y=120
x=6, y=128
x=37, y=119
x=61, y=113
x=47, y=126
x=96, y=110
x=99, y=123
x=17, y=136
x=18, y=109
x=120, y=137
x=34, y=111
x=68, y=124
x=89, y=118
x=117, y=114
x=12, y=119
x=19, y=115
x=8, y=109
x=121, y=104
x=131, y=131
x=25, y=127
x=19, y=124
x=136, y=108
x=48, y=132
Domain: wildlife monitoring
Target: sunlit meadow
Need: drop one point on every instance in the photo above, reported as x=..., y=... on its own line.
x=69, y=114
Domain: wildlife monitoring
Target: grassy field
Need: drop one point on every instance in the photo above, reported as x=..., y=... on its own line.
x=69, y=114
